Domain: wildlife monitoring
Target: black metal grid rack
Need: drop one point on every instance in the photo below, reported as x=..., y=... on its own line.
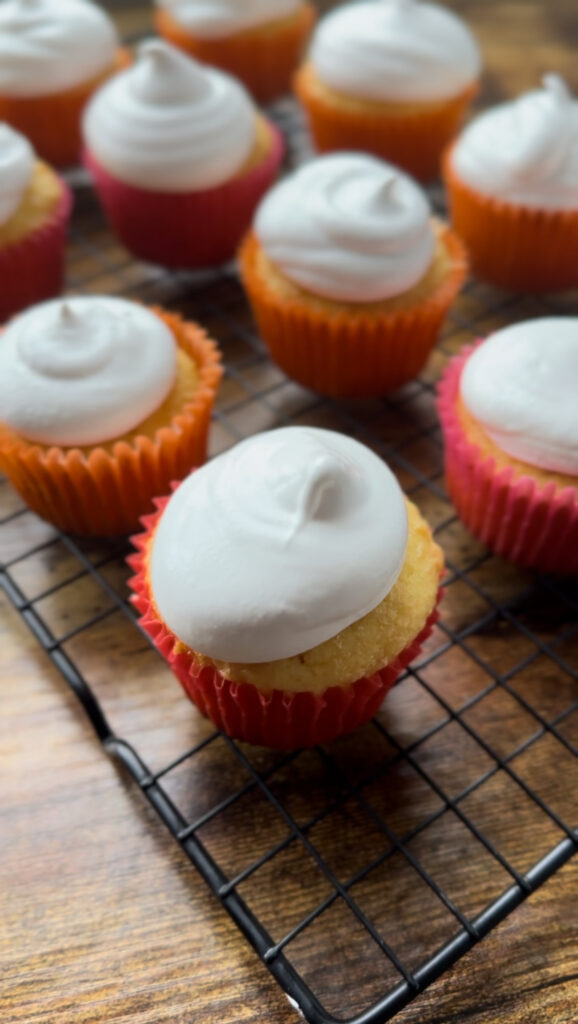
x=402, y=846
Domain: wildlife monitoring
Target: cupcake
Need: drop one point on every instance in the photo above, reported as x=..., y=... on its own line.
x=258, y=41
x=102, y=403
x=35, y=206
x=392, y=77
x=287, y=583
x=180, y=158
x=509, y=416
x=348, y=275
x=512, y=179
x=53, y=55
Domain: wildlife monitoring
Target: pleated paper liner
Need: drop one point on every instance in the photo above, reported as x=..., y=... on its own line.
x=32, y=269
x=103, y=493
x=281, y=720
x=518, y=248
x=185, y=229
x=263, y=58
x=531, y=524
x=350, y=354
x=411, y=136
x=52, y=121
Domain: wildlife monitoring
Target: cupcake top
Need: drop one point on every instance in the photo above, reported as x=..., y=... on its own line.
x=525, y=152
x=16, y=170
x=214, y=19
x=521, y=386
x=348, y=226
x=84, y=371
x=395, y=50
x=47, y=46
x=169, y=123
x=277, y=545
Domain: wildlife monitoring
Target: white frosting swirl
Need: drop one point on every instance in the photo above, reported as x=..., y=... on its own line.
x=84, y=371
x=348, y=226
x=50, y=45
x=170, y=123
x=522, y=387
x=277, y=545
x=16, y=170
x=392, y=50
x=214, y=19
x=525, y=152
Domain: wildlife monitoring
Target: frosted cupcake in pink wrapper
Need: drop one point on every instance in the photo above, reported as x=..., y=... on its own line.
x=287, y=583
x=180, y=158
x=35, y=207
x=509, y=416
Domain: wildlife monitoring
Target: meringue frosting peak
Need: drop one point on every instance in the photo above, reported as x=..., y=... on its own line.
x=169, y=123
x=277, y=545
x=395, y=50
x=47, y=46
x=16, y=170
x=521, y=386
x=85, y=370
x=348, y=227
x=526, y=151
x=213, y=19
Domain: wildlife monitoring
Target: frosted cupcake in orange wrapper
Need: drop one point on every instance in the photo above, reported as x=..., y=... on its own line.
x=512, y=180
x=509, y=417
x=349, y=277
x=102, y=403
x=259, y=41
x=53, y=55
x=287, y=583
x=35, y=207
x=391, y=77
x=180, y=158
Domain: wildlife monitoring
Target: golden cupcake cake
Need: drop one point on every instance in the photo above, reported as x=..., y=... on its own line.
x=103, y=402
x=509, y=416
x=391, y=77
x=349, y=275
x=180, y=158
x=259, y=41
x=53, y=55
x=287, y=583
x=512, y=181
x=35, y=206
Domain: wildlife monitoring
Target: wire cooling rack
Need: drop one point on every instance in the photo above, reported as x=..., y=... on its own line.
x=361, y=871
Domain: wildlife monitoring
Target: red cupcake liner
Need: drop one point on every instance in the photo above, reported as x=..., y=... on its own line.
x=531, y=524
x=279, y=719
x=185, y=229
x=32, y=269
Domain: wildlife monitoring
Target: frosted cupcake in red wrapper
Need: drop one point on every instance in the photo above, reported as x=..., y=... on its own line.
x=287, y=583
x=102, y=403
x=512, y=181
x=349, y=276
x=509, y=417
x=35, y=207
x=180, y=158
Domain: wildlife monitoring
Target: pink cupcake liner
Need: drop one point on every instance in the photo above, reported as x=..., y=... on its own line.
x=32, y=269
x=533, y=525
x=185, y=230
x=281, y=720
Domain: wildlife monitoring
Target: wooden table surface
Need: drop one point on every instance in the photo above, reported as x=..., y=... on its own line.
x=105, y=922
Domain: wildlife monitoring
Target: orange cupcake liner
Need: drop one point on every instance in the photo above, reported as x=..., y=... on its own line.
x=281, y=720
x=103, y=493
x=350, y=354
x=52, y=122
x=518, y=248
x=414, y=139
x=531, y=524
x=263, y=59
